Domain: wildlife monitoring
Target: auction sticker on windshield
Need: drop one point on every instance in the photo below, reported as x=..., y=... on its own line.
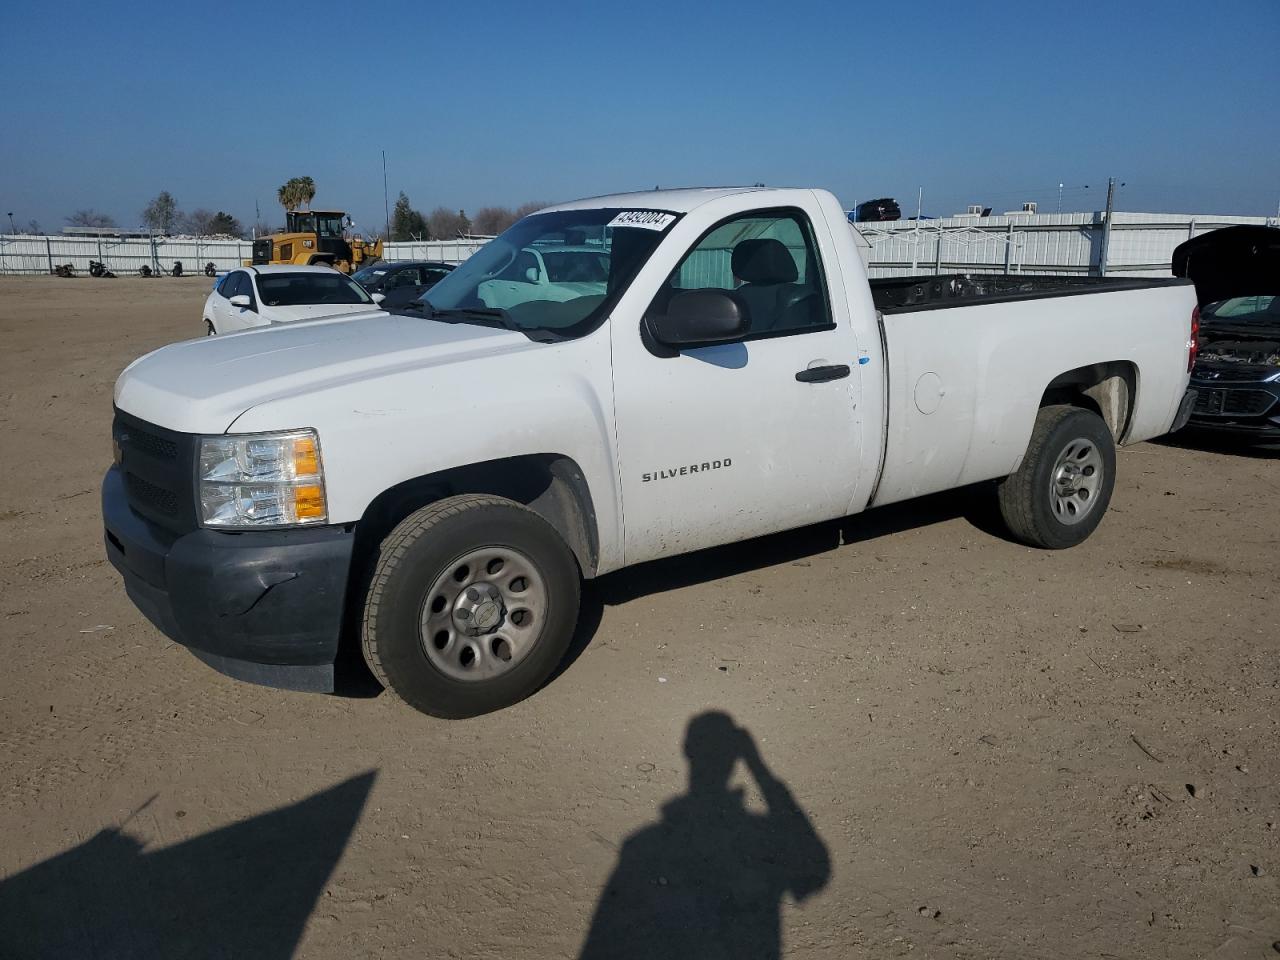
x=644, y=219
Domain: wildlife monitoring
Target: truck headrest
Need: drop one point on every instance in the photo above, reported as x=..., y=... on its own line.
x=764, y=261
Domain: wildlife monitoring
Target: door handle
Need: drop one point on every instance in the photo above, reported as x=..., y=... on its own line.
x=831, y=371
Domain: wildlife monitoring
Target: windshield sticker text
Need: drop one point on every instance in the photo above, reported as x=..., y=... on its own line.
x=644, y=219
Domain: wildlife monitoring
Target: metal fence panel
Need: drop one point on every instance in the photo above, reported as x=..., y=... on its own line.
x=1048, y=243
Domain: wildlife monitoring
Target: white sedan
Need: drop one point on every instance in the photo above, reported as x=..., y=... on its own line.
x=263, y=295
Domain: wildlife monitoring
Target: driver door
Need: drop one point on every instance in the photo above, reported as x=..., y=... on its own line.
x=722, y=443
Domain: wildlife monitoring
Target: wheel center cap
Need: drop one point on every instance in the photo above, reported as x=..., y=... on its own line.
x=487, y=615
x=479, y=609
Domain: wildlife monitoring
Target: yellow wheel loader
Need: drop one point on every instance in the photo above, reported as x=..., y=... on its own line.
x=316, y=237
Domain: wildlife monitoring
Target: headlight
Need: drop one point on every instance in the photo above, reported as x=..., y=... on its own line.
x=262, y=480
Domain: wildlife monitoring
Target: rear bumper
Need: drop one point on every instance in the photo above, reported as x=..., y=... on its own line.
x=261, y=606
x=1185, y=409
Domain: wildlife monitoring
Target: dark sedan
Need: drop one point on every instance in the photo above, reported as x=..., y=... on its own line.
x=1236, y=271
x=403, y=282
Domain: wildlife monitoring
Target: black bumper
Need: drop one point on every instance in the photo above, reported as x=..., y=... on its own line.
x=262, y=606
x=1247, y=409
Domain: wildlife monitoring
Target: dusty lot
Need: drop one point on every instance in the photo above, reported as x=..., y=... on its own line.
x=967, y=748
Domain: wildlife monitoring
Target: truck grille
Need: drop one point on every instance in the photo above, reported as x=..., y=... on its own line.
x=1234, y=403
x=159, y=472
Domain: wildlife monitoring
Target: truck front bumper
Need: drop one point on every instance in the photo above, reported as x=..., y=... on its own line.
x=262, y=606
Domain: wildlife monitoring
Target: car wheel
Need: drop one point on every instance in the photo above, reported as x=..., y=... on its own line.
x=1059, y=494
x=472, y=605
x=208, y=329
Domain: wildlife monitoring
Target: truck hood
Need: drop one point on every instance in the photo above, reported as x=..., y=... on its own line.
x=311, y=311
x=202, y=386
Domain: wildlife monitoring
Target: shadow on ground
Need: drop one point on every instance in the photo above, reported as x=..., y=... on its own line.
x=707, y=879
x=976, y=504
x=245, y=890
x=1226, y=444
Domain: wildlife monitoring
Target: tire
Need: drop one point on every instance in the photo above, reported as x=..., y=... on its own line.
x=208, y=329
x=1060, y=493
x=469, y=573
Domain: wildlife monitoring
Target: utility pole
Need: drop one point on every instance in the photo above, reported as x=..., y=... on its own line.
x=386, y=203
x=1106, y=226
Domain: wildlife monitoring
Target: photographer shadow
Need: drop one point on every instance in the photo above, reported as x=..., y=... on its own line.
x=707, y=880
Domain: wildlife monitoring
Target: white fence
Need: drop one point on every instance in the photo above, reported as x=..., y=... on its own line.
x=126, y=257
x=27, y=254
x=1138, y=244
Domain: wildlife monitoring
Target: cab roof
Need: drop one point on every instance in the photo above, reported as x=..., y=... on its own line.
x=680, y=200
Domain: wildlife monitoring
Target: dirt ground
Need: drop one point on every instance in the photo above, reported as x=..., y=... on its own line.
x=963, y=747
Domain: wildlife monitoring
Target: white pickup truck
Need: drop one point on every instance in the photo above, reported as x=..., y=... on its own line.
x=425, y=492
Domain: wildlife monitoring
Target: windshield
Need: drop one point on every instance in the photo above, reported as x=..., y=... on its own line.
x=1264, y=308
x=555, y=272
x=369, y=275
x=306, y=289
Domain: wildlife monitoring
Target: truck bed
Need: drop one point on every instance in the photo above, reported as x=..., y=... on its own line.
x=909, y=294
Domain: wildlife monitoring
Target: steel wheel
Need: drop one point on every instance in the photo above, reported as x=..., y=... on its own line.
x=1075, y=481
x=483, y=614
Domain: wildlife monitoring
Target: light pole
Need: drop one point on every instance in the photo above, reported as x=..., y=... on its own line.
x=12, y=228
x=386, y=203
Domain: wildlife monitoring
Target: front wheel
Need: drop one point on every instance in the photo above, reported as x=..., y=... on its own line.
x=208, y=329
x=472, y=605
x=1059, y=494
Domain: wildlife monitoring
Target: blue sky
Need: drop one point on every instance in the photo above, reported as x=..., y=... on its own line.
x=478, y=103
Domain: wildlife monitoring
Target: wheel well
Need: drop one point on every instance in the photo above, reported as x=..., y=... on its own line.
x=550, y=485
x=1108, y=389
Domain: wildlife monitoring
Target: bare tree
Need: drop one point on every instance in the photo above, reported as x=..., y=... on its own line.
x=162, y=214
x=490, y=221
x=33, y=227
x=533, y=206
x=198, y=222
x=445, y=224
x=90, y=218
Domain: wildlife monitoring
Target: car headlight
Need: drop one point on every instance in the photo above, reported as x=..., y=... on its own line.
x=262, y=480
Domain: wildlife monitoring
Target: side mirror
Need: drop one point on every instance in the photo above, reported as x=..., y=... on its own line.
x=695, y=318
x=531, y=274
x=377, y=297
x=240, y=300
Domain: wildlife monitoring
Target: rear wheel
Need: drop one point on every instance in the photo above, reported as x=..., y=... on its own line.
x=472, y=605
x=1059, y=494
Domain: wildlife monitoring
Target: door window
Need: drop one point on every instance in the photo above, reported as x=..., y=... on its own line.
x=402, y=278
x=769, y=262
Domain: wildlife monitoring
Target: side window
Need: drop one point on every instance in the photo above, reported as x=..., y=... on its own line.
x=402, y=278
x=244, y=285
x=226, y=283
x=769, y=261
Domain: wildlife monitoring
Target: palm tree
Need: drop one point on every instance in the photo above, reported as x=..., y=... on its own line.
x=306, y=190
x=296, y=192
